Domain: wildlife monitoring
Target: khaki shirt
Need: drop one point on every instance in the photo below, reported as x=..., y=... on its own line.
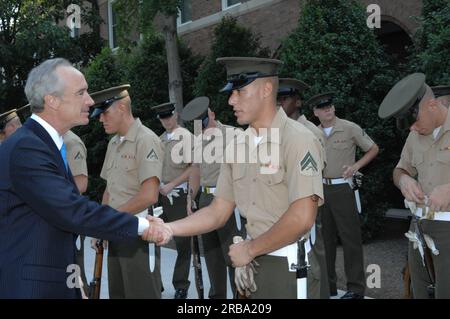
x=427, y=158
x=76, y=154
x=264, y=198
x=340, y=146
x=130, y=162
x=215, y=147
x=181, y=140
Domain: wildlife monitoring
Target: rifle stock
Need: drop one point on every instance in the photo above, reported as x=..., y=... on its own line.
x=427, y=258
x=95, y=285
x=197, y=267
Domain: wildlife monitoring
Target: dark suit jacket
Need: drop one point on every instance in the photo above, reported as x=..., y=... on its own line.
x=40, y=213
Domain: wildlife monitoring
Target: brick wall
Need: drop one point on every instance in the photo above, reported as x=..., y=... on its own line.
x=273, y=20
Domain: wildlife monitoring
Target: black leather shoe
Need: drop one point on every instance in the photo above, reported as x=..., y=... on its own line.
x=352, y=295
x=180, y=294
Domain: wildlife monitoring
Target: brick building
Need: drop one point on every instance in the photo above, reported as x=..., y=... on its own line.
x=273, y=20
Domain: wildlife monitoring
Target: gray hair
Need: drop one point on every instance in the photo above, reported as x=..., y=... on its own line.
x=42, y=81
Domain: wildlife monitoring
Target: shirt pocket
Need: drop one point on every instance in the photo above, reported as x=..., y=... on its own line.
x=417, y=159
x=272, y=179
x=443, y=157
x=342, y=145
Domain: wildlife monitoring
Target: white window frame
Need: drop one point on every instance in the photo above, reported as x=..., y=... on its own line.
x=225, y=5
x=179, y=23
x=112, y=45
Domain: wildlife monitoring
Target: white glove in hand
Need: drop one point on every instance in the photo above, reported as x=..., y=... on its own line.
x=174, y=193
x=244, y=276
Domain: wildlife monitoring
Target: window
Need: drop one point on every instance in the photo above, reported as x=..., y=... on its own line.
x=229, y=3
x=185, y=14
x=112, y=25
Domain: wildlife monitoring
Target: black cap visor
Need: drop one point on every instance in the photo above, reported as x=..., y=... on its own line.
x=103, y=106
x=238, y=81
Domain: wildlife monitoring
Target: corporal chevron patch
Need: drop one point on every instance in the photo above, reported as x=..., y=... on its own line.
x=152, y=156
x=79, y=156
x=308, y=165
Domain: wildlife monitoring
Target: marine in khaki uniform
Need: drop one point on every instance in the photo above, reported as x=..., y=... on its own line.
x=423, y=176
x=10, y=122
x=173, y=190
x=76, y=155
x=340, y=212
x=217, y=242
x=289, y=97
x=278, y=194
x=132, y=169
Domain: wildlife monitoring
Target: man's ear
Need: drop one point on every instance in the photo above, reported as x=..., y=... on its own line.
x=212, y=115
x=52, y=101
x=268, y=88
x=433, y=103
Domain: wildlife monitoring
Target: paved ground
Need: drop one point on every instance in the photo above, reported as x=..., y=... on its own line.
x=388, y=252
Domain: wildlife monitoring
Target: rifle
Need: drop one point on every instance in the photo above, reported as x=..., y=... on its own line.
x=196, y=262
x=427, y=259
x=195, y=248
x=95, y=285
x=406, y=274
x=301, y=269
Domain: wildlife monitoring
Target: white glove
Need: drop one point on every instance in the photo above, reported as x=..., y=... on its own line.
x=173, y=193
x=244, y=276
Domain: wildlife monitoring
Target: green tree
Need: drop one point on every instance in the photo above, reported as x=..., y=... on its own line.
x=139, y=15
x=144, y=67
x=432, y=49
x=32, y=31
x=102, y=72
x=230, y=39
x=332, y=49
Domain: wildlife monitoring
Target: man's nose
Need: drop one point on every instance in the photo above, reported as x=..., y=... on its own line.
x=90, y=102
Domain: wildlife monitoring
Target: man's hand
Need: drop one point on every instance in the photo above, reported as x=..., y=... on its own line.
x=244, y=277
x=439, y=198
x=191, y=206
x=239, y=252
x=94, y=244
x=348, y=171
x=411, y=189
x=166, y=189
x=158, y=232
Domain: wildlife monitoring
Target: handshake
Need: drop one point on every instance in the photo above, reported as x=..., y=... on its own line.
x=158, y=232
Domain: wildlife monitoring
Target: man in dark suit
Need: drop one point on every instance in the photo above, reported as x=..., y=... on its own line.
x=41, y=210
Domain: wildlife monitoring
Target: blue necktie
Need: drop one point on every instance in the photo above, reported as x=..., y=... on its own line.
x=64, y=155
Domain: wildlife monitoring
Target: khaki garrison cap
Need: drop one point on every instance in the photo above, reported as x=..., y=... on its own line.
x=242, y=71
x=406, y=94
x=164, y=110
x=441, y=90
x=320, y=100
x=197, y=109
x=105, y=98
x=290, y=87
x=9, y=115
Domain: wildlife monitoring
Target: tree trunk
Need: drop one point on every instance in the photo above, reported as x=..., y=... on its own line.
x=173, y=62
